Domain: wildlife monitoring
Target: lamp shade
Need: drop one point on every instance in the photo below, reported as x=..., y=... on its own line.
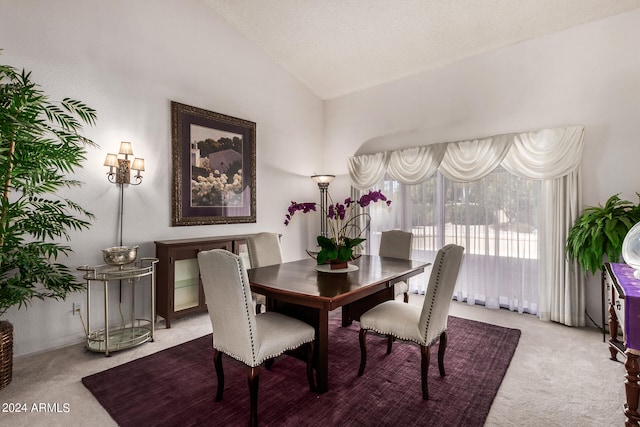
x=138, y=164
x=322, y=179
x=125, y=148
x=111, y=160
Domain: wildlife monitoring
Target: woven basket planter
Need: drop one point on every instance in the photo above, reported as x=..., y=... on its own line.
x=6, y=353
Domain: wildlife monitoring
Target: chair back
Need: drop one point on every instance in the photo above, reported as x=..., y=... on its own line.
x=264, y=249
x=437, y=300
x=396, y=244
x=228, y=297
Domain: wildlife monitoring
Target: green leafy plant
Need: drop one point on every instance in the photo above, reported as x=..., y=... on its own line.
x=332, y=251
x=39, y=146
x=600, y=231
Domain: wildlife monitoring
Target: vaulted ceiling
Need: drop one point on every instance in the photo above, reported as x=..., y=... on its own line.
x=336, y=47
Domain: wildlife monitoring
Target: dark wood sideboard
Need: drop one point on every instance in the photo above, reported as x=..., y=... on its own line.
x=179, y=290
x=624, y=310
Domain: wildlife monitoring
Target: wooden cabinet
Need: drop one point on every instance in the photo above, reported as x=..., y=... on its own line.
x=624, y=310
x=615, y=305
x=178, y=287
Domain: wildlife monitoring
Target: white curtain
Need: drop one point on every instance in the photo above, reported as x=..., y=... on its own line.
x=562, y=295
x=468, y=161
x=550, y=155
x=414, y=165
x=366, y=169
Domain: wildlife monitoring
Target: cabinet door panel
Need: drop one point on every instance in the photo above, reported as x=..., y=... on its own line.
x=186, y=293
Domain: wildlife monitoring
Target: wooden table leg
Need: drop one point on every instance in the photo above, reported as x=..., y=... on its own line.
x=354, y=310
x=346, y=317
x=322, y=344
x=632, y=389
x=319, y=319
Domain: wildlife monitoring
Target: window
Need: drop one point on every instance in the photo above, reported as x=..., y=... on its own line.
x=495, y=218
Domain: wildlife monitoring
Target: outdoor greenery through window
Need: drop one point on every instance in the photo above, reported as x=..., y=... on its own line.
x=495, y=218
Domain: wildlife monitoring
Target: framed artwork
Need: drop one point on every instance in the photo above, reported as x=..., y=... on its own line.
x=214, y=167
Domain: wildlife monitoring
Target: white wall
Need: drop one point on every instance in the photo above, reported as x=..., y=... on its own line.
x=588, y=75
x=128, y=60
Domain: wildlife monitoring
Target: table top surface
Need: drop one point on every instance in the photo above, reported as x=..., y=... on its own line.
x=301, y=280
x=625, y=278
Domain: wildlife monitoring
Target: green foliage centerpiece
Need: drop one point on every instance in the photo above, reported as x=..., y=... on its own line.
x=344, y=223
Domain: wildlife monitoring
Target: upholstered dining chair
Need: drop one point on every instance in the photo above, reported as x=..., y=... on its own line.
x=422, y=325
x=264, y=249
x=397, y=244
x=241, y=334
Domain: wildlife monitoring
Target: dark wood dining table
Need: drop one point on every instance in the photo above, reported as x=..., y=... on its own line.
x=297, y=289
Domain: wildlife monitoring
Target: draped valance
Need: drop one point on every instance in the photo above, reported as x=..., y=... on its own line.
x=543, y=154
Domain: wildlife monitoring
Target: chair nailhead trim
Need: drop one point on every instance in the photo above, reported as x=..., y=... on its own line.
x=254, y=362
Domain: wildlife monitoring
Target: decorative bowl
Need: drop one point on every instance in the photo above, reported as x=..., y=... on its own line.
x=120, y=255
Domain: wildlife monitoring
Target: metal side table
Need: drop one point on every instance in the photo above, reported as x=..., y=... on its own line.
x=126, y=335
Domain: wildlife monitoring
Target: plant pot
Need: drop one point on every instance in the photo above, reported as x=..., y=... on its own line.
x=337, y=265
x=6, y=353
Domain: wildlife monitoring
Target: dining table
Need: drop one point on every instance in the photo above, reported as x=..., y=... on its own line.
x=309, y=292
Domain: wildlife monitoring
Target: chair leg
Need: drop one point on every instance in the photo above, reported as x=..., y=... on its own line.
x=406, y=297
x=363, y=351
x=389, y=343
x=254, y=380
x=424, y=367
x=217, y=361
x=269, y=363
x=312, y=384
x=441, y=350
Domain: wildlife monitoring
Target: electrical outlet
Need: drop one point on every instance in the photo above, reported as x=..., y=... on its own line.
x=78, y=308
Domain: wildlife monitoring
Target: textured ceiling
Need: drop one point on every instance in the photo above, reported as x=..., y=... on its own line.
x=340, y=46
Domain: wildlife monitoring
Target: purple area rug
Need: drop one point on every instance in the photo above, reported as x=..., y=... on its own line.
x=177, y=386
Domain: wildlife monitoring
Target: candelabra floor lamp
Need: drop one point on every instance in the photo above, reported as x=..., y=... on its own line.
x=120, y=174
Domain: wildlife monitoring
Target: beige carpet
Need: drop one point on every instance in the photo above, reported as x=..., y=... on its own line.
x=559, y=376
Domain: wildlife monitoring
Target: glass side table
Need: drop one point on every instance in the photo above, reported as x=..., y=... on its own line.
x=127, y=335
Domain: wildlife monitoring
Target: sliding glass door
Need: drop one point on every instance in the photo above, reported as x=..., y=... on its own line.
x=495, y=218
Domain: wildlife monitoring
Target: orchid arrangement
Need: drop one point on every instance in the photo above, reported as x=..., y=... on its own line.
x=343, y=223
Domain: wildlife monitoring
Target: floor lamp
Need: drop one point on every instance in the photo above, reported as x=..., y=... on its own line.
x=323, y=182
x=120, y=173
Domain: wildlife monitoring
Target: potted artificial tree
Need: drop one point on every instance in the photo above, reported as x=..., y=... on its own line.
x=600, y=231
x=39, y=146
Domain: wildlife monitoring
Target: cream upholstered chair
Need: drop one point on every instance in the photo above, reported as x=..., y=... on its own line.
x=258, y=299
x=241, y=334
x=264, y=249
x=422, y=325
x=397, y=244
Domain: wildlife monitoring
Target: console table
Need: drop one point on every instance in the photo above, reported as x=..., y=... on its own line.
x=624, y=311
x=179, y=290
